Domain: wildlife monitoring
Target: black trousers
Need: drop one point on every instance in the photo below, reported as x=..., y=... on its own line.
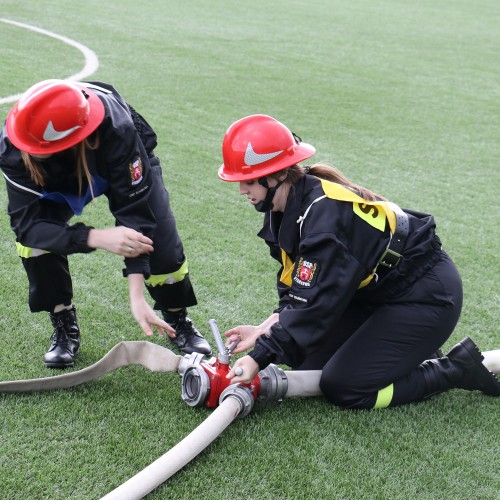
x=376, y=346
x=49, y=276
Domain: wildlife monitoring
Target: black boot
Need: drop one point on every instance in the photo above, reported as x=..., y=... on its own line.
x=65, y=339
x=436, y=354
x=188, y=339
x=462, y=368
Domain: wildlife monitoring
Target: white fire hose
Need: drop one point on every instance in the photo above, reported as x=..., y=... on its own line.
x=159, y=359
x=492, y=361
x=151, y=356
x=296, y=384
x=235, y=401
x=177, y=457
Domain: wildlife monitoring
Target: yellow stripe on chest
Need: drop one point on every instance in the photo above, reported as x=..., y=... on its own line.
x=375, y=213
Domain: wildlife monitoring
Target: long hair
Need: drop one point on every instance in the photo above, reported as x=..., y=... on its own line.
x=39, y=175
x=328, y=173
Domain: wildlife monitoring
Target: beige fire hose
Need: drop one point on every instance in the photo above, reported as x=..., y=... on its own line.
x=299, y=384
x=147, y=354
x=492, y=361
x=306, y=383
x=237, y=402
x=159, y=359
x=168, y=464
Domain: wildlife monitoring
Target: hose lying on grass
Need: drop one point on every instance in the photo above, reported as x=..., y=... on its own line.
x=236, y=402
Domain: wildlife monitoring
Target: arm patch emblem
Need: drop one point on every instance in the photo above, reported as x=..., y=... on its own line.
x=135, y=171
x=306, y=273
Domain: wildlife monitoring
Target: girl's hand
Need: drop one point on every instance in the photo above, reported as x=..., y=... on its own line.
x=244, y=370
x=142, y=311
x=120, y=240
x=245, y=335
x=148, y=319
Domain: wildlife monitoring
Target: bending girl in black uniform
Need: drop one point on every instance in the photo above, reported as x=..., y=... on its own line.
x=366, y=292
x=64, y=144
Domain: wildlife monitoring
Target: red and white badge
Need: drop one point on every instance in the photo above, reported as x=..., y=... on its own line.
x=305, y=272
x=136, y=171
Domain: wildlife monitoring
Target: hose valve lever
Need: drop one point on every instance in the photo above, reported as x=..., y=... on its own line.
x=224, y=353
x=231, y=346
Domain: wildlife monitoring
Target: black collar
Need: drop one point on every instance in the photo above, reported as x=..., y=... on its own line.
x=282, y=228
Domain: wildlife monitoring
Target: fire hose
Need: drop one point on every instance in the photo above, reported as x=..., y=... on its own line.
x=126, y=353
x=177, y=457
x=204, y=383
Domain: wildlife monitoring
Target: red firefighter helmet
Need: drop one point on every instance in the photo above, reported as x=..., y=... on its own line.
x=53, y=115
x=257, y=146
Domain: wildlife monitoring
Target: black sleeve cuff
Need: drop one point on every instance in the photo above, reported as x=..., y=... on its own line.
x=79, y=238
x=261, y=355
x=138, y=265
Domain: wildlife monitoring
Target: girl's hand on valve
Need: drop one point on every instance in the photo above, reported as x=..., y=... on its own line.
x=244, y=370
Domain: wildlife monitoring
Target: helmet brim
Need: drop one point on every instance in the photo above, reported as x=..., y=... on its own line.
x=299, y=153
x=95, y=118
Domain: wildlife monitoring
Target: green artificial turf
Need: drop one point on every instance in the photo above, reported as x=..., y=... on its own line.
x=403, y=97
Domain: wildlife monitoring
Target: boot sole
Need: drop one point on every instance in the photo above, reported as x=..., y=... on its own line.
x=53, y=364
x=188, y=349
x=58, y=365
x=490, y=385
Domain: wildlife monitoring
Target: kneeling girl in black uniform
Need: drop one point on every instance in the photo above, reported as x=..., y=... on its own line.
x=64, y=144
x=366, y=292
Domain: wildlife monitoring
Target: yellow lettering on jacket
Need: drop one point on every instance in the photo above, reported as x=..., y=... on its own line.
x=373, y=212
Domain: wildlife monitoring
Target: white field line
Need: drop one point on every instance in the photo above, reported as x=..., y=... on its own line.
x=91, y=60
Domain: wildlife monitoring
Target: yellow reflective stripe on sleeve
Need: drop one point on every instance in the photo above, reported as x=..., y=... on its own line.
x=27, y=252
x=384, y=397
x=23, y=251
x=162, y=279
x=286, y=274
x=361, y=206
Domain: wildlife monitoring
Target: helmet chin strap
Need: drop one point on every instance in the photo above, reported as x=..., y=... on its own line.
x=267, y=203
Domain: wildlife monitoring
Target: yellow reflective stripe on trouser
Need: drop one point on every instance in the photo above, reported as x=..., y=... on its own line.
x=169, y=279
x=384, y=397
x=27, y=252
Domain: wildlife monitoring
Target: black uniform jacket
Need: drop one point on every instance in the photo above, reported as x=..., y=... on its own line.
x=121, y=167
x=333, y=251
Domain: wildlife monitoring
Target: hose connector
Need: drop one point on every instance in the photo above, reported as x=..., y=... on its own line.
x=193, y=359
x=242, y=394
x=273, y=384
